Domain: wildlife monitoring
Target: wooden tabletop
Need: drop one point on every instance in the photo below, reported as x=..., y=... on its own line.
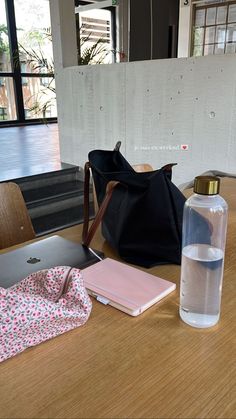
x=117, y=366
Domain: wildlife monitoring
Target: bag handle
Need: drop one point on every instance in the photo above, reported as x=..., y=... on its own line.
x=117, y=146
x=88, y=233
x=168, y=167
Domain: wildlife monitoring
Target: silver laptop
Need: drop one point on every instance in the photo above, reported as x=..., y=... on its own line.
x=47, y=253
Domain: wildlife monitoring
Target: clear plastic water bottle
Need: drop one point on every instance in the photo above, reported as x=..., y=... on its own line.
x=203, y=247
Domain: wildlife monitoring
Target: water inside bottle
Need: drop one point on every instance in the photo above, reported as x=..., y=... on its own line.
x=201, y=282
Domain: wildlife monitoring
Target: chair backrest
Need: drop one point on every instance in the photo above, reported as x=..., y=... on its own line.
x=15, y=223
x=143, y=167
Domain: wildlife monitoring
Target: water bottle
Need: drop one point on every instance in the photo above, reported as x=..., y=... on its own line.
x=203, y=247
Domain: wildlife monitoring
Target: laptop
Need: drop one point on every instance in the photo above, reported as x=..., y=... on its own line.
x=124, y=287
x=47, y=253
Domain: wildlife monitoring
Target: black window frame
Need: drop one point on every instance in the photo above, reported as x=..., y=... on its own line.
x=18, y=76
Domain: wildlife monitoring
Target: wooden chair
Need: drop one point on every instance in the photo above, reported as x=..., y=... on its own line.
x=144, y=167
x=15, y=223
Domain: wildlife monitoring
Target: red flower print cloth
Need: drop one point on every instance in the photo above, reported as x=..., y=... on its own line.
x=45, y=304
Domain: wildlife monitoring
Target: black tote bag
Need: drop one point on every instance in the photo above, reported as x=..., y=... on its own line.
x=142, y=219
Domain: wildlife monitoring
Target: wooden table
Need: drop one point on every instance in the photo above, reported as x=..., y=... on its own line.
x=117, y=366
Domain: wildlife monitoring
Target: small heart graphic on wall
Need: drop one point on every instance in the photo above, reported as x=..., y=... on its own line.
x=184, y=146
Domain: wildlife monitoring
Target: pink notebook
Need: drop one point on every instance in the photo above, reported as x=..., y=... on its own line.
x=124, y=287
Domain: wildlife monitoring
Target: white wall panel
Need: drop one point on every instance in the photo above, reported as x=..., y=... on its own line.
x=152, y=107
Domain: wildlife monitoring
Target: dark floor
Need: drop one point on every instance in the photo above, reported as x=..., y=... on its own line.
x=28, y=150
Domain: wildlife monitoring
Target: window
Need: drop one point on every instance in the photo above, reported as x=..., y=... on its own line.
x=27, y=113
x=48, y=112
x=41, y=100
x=214, y=29
x=25, y=29
x=23, y=70
x=7, y=99
x=96, y=34
x=3, y=114
x=45, y=81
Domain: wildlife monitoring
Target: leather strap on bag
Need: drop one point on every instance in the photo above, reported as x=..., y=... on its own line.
x=88, y=233
x=117, y=146
x=168, y=167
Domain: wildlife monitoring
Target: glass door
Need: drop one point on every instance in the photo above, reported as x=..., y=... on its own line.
x=7, y=91
x=27, y=85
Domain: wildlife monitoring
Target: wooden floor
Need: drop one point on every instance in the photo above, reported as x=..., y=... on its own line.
x=28, y=150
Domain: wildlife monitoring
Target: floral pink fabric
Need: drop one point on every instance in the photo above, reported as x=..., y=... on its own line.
x=43, y=305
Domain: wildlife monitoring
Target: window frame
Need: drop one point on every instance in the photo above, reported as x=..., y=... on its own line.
x=16, y=74
x=206, y=7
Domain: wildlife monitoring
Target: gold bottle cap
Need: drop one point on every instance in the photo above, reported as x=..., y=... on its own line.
x=206, y=185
